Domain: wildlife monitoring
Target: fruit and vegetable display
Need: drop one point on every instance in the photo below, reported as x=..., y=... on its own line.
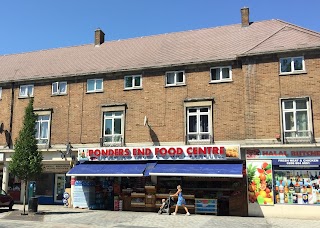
x=260, y=182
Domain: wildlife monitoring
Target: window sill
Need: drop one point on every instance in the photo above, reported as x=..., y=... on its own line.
x=128, y=89
x=199, y=142
x=57, y=95
x=25, y=97
x=177, y=85
x=220, y=81
x=90, y=92
x=293, y=73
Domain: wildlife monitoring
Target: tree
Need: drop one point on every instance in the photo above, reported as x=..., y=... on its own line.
x=26, y=161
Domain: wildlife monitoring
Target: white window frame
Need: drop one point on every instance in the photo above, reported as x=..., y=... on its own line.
x=0, y=93
x=133, y=82
x=115, y=138
x=221, y=79
x=95, y=85
x=294, y=110
x=293, y=71
x=58, y=86
x=40, y=121
x=27, y=87
x=176, y=83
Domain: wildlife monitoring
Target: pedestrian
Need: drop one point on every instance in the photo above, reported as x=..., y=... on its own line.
x=181, y=201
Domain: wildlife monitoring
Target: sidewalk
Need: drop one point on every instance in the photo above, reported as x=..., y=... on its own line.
x=60, y=216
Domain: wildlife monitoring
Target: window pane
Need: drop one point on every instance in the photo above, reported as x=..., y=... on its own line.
x=108, y=114
x=288, y=104
x=44, y=117
x=180, y=77
x=108, y=126
x=108, y=139
x=90, y=85
x=23, y=91
x=286, y=65
x=63, y=87
x=192, y=110
x=204, y=109
x=137, y=81
x=99, y=84
x=54, y=87
x=117, y=126
x=204, y=123
x=225, y=73
x=30, y=90
x=192, y=137
x=128, y=82
x=192, y=124
x=301, y=104
x=170, y=78
x=44, y=130
x=215, y=74
x=204, y=136
x=298, y=63
x=302, y=120
x=37, y=130
x=117, y=113
x=289, y=121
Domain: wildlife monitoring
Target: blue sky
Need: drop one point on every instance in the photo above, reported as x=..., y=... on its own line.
x=31, y=25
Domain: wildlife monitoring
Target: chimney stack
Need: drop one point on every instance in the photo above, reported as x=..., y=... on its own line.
x=98, y=37
x=245, y=17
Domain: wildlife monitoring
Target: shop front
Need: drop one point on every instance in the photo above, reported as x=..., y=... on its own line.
x=137, y=179
x=283, y=177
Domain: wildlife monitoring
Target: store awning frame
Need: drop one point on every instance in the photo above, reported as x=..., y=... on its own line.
x=198, y=170
x=108, y=170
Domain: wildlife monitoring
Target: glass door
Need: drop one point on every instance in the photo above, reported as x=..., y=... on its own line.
x=59, y=187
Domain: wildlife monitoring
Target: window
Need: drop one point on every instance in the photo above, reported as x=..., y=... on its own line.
x=296, y=121
x=292, y=65
x=0, y=93
x=198, y=124
x=220, y=74
x=42, y=129
x=59, y=88
x=113, y=127
x=174, y=78
x=132, y=82
x=94, y=85
x=26, y=91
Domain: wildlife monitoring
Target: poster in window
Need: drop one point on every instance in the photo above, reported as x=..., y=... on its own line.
x=259, y=173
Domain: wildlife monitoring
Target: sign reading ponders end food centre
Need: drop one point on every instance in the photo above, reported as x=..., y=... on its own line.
x=209, y=152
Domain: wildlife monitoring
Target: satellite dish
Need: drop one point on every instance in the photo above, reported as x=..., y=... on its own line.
x=145, y=122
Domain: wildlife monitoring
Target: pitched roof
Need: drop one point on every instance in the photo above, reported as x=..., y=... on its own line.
x=196, y=46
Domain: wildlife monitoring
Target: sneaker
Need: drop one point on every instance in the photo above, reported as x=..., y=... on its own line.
x=174, y=213
x=188, y=214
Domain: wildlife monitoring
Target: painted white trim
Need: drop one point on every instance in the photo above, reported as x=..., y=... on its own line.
x=196, y=175
x=220, y=78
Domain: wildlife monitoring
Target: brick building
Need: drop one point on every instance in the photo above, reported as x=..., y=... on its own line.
x=252, y=84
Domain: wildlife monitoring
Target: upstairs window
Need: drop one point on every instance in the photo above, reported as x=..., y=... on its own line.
x=113, y=127
x=94, y=85
x=59, y=88
x=220, y=74
x=174, y=78
x=42, y=129
x=26, y=91
x=198, y=124
x=133, y=82
x=296, y=118
x=292, y=65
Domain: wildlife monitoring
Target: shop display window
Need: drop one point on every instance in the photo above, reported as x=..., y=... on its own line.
x=45, y=184
x=297, y=186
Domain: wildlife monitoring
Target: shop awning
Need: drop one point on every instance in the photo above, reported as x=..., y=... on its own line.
x=198, y=170
x=108, y=170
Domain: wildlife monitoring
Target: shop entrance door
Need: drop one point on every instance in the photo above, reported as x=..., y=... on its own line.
x=59, y=186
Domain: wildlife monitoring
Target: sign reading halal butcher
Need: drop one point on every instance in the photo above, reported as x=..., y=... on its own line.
x=160, y=153
x=282, y=153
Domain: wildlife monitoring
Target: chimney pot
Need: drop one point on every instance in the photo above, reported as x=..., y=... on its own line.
x=98, y=37
x=245, y=17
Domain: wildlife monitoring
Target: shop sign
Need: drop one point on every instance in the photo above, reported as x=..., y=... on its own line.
x=1, y=157
x=282, y=153
x=58, y=168
x=216, y=152
x=295, y=162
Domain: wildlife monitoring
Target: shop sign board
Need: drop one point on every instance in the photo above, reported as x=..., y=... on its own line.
x=1, y=157
x=282, y=153
x=208, y=152
x=297, y=162
x=56, y=168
